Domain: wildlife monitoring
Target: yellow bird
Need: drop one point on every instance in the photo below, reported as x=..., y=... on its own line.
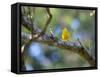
x=65, y=35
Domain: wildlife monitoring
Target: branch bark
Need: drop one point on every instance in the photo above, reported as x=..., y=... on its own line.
x=72, y=47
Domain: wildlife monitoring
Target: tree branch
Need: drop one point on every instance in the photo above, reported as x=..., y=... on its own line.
x=27, y=22
x=71, y=46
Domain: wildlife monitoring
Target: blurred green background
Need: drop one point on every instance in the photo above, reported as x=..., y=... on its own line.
x=80, y=23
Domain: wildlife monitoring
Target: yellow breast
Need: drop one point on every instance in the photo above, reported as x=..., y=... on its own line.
x=65, y=35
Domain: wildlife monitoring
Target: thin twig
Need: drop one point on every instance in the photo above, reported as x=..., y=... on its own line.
x=82, y=45
x=46, y=24
x=86, y=54
x=26, y=21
